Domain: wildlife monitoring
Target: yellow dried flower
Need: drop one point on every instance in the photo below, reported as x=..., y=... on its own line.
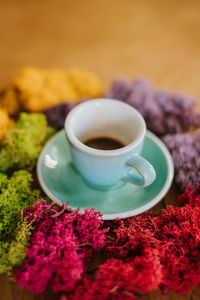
x=5, y=123
x=85, y=83
x=9, y=101
x=39, y=89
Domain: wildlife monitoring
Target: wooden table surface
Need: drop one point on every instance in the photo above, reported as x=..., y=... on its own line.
x=156, y=39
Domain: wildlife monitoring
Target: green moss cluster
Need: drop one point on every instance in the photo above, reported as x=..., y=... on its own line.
x=19, y=150
x=3, y=181
x=13, y=253
x=16, y=194
x=22, y=144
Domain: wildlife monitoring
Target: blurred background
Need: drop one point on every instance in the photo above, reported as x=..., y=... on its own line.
x=155, y=39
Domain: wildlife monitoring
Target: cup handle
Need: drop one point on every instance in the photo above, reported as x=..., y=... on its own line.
x=146, y=175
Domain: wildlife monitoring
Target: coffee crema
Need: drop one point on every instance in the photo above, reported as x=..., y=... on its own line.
x=103, y=143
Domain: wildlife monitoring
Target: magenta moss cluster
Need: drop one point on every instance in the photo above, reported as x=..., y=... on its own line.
x=61, y=244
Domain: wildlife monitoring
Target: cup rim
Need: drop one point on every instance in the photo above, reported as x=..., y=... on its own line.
x=97, y=152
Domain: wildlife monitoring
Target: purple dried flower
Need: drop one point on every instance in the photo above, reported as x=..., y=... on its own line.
x=173, y=103
x=56, y=114
x=142, y=98
x=120, y=89
x=164, y=111
x=178, y=110
x=185, y=149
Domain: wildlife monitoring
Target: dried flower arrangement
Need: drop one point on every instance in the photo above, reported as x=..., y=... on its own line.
x=44, y=245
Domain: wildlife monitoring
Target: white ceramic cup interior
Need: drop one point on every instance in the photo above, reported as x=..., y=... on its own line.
x=105, y=118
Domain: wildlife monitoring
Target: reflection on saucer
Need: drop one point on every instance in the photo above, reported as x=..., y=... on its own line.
x=49, y=162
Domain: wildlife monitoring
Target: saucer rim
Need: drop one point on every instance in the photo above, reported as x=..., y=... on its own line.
x=126, y=214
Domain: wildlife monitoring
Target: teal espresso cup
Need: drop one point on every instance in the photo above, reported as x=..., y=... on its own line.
x=115, y=120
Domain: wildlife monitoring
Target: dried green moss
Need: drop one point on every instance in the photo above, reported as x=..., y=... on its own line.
x=16, y=194
x=22, y=144
x=3, y=181
x=12, y=254
x=19, y=150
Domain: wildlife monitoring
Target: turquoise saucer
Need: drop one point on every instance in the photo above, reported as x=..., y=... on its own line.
x=62, y=183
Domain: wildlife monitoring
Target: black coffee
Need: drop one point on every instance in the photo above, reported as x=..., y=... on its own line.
x=104, y=143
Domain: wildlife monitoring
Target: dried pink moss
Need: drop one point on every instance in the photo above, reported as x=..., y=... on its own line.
x=118, y=280
x=180, y=254
x=157, y=251
x=59, y=248
x=174, y=235
x=190, y=197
